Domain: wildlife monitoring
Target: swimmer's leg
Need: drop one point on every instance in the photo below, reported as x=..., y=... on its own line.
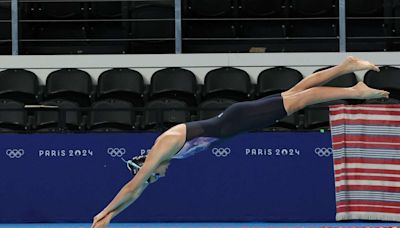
x=316, y=95
x=350, y=64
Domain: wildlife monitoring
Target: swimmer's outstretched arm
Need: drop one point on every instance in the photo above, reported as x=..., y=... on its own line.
x=126, y=196
x=163, y=150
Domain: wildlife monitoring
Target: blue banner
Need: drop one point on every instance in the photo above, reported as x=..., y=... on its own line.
x=285, y=177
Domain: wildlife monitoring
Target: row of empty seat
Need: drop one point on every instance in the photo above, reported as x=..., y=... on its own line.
x=173, y=97
x=177, y=83
x=207, y=26
x=59, y=115
x=200, y=8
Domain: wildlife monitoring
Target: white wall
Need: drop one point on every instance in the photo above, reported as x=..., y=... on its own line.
x=199, y=64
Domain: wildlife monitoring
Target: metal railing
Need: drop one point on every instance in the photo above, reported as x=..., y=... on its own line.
x=178, y=19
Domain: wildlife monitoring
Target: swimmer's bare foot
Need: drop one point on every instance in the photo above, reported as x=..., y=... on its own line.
x=351, y=64
x=366, y=92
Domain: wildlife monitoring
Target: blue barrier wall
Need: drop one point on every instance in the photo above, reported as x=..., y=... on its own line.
x=251, y=177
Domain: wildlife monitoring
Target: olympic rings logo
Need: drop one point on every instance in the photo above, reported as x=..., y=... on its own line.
x=323, y=152
x=15, y=153
x=116, y=152
x=221, y=152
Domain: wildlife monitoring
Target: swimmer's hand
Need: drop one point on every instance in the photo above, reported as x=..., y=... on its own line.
x=101, y=220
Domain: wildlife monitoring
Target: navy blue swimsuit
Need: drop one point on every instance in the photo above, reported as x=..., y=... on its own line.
x=237, y=118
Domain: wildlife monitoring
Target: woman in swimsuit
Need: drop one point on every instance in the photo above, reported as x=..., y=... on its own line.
x=186, y=139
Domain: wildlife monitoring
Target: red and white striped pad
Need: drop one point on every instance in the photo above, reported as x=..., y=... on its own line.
x=366, y=154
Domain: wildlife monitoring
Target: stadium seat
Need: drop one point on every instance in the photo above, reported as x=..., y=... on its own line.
x=207, y=8
x=5, y=48
x=276, y=80
x=368, y=35
x=345, y=80
x=13, y=117
x=213, y=107
x=156, y=37
x=37, y=32
x=314, y=8
x=262, y=29
x=59, y=30
x=112, y=115
x=210, y=45
x=112, y=10
x=382, y=101
x=59, y=10
x=261, y=8
x=63, y=118
x=175, y=83
x=200, y=37
x=317, y=116
x=110, y=31
x=313, y=35
x=358, y=30
x=202, y=29
x=364, y=8
x=121, y=84
x=108, y=38
x=387, y=79
x=5, y=29
x=19, y=85
x=269, y=35
x=5, y=11
x=160, y=113
x=227, y=82
x=288, y=123
x=323, y=33
x=41, y=37
x=69, y=84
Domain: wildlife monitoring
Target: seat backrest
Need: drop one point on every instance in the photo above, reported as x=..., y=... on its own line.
x=5, y=33
x=112, y=113
x=317, y=116
x=60, y=10
x=262, y=8
x=153, y=29
x=12, y=115
x=175, y=83
x=107, y=9
x=277, y=79
x=51, y=116
x=122, y=84
x=69, y=84
x=227, y=82
x=382, y=101
x=159, y=113
x=387, y=78
x=213, y=107
x=20, y=85
x=314, y=8
x=345, y=80
x=209, y=8
x=364, y=8
x=5, y=11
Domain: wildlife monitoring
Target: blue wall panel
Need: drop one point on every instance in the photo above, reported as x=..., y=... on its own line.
x=263, y=177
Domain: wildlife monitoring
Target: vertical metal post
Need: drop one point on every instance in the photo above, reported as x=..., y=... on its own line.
x=14, y=26
x=178, y=27
x=342, y=25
